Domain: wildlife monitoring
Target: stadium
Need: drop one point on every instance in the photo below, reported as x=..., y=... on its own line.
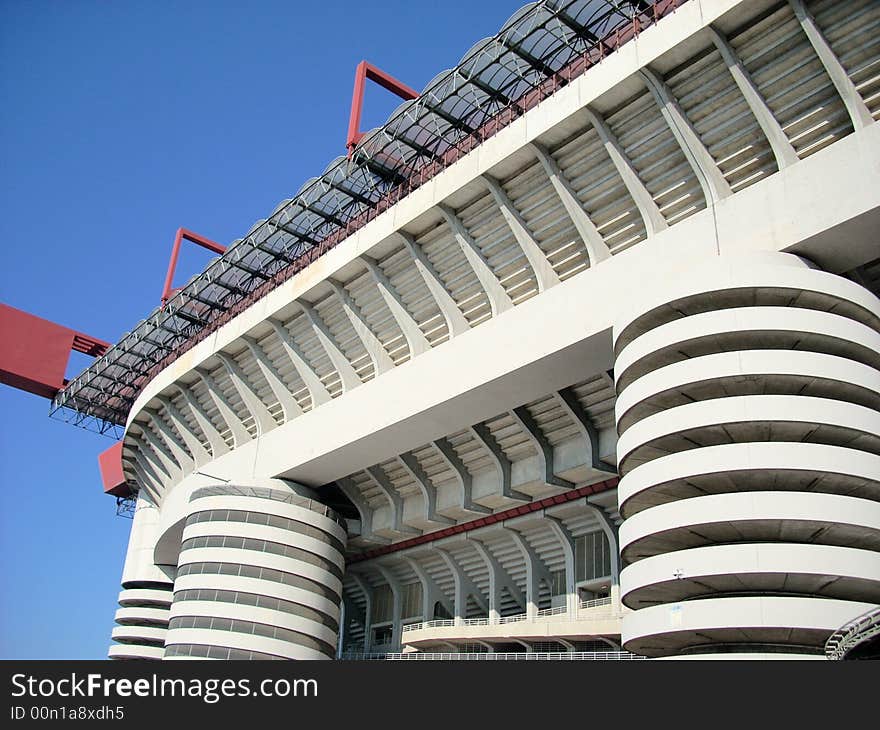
x=576, y=357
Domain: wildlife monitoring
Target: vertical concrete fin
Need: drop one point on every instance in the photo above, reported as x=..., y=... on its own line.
x=346, y=372
x=499, y=301
x=566, y=541
x=456, y=323
x=317, y=391
x=218, y=445
x=279, y=388
x=382, y=362
x=248, y=394
x=240, y=434
x=535, y=571
x=651, y=215
x=415, y=338
x=597, y=249
x=431, y=592
x=499, y=579
x=464, y=586
x=544, y=273
x=852, y=100
x=782, y=148
x=715, y=186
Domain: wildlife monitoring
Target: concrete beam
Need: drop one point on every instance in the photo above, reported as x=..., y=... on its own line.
x=431, y=592
x=429, y=492
x=782, y=148
x=650, y=213
x=536, y=571
x=499, y=579
x=215, y=440
x=852, y=100
x=397, y=607
x=350, y=490
x=456, y=323
x=382, y=362
x=544, y=273
x=199, y=453
x=566, y=541
x=464, y=476
x=157, y=446
x=289, y=406
x=464, y=587
x=715, y=186
x=248, y=394
x=180, y=455
x=367, y=590
x=597, y=249
x=482, y=434
x=499, y=301
x=394, y=499
x=347, y=375
x=317, y=391
x=416, y=341
x=544, y=448
x=571, y=405
x=240, y=434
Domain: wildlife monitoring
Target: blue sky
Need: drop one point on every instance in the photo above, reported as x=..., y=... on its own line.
x=119, y=123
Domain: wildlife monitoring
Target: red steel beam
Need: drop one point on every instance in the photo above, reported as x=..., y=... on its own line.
x=364, y=71
x=492, y=519
x=182, y=235
x=34, y=351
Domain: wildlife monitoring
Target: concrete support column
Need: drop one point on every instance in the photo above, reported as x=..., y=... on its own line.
x=259, y=576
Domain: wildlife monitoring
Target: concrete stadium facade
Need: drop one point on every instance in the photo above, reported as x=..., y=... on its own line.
x=606, y=387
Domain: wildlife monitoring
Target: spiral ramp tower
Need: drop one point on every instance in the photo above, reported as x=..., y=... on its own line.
x=145, y=598
x=748, y=414
x=259, y=576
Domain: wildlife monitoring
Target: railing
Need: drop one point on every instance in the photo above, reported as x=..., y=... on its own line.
x=853, y=633
x=560, y=612
x=496, y=656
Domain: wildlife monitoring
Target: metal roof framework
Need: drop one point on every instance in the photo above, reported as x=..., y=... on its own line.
x=541, y=48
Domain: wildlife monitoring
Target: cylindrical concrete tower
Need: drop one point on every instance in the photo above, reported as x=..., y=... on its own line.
x=259, y=576
x=146, y=592
x=748, y=416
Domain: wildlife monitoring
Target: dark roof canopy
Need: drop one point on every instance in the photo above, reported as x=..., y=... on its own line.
x=540, y=48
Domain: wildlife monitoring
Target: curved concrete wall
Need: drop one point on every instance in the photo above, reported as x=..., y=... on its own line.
x=748, y=416
x=259, y=577
x=146, y=591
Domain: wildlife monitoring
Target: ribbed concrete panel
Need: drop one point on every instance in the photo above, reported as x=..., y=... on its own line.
x=750, y=484
x=259, y=573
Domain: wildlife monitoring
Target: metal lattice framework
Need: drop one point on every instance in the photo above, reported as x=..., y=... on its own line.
x=541, y=48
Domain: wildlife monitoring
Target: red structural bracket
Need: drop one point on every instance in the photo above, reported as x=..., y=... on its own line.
x=364, y=71
x=34, y=351
x=492, y=519
x=184, y=235
x=112, y=476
